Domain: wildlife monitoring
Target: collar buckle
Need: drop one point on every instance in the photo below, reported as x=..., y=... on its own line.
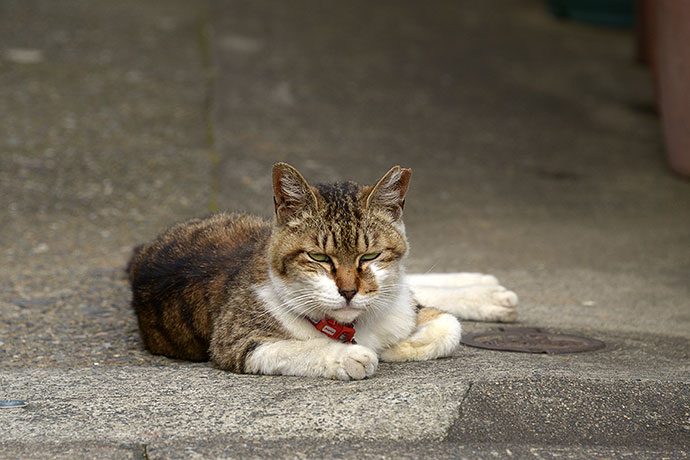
x=335, y=330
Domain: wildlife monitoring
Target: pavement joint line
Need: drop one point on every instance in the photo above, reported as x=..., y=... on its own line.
x=460, y=413
x=205, y=41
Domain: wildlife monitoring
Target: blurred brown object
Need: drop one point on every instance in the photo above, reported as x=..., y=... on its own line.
x=663, y=43
x=645, y=33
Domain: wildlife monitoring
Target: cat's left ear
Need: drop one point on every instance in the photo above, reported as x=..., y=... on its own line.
x=292, y=195
x=389, y=192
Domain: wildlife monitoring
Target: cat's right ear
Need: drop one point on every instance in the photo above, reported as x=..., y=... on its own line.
x=292, y=195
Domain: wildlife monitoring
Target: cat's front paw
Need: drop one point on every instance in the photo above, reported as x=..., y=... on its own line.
x=355, y=362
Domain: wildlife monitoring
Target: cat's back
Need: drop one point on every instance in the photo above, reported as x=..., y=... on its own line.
x=199, y=246
x=182, y=279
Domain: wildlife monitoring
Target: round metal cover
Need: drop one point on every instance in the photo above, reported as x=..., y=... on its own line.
x=531, y=340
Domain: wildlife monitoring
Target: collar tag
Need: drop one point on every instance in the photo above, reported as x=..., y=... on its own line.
x=335, y=330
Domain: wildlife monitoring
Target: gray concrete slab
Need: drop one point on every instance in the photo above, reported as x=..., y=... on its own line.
x=536, y=157
x=476, y=396
x=570, y=411
x=196, y=402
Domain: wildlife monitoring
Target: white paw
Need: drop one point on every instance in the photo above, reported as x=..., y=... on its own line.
x=498, y=314
x=355, y=362
x=503, y=306
x=504, y=297
x=433, y=339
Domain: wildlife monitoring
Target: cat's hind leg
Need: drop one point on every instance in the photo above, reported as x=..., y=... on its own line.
x=476, y=302
x=471, y=296
x=454, y=280
x=436, y=335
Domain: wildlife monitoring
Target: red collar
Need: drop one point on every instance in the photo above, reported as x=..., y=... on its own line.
x=335, y=330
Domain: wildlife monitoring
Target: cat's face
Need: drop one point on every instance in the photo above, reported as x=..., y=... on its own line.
x=336, y=249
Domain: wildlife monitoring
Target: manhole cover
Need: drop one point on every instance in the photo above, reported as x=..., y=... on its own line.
x=531, y=340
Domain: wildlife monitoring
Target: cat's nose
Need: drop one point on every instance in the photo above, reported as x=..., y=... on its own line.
x=348, y=293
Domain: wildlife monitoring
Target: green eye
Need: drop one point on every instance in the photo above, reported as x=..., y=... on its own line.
x=319, y=257
x=368, y=257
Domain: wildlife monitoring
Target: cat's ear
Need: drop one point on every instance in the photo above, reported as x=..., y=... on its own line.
x=389, y=192
x=292, y=196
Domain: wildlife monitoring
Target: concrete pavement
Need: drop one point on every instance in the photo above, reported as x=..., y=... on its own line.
x=536, y=156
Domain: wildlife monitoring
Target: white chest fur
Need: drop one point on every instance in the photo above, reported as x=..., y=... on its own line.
x=377, y=328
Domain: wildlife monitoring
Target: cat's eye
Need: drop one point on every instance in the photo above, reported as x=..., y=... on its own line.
x=319, y=257
x=370, y=256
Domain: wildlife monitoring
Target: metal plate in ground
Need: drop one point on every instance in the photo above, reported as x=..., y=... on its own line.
x=11, y=403
x=531, y=340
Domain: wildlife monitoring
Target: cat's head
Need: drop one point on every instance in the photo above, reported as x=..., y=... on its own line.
x=336, y=249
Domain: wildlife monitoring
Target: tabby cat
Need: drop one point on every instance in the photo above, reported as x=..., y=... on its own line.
x=321, y=291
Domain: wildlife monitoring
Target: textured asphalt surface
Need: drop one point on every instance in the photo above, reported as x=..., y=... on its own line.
x=537, y=157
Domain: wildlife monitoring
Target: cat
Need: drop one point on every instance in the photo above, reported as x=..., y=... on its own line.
x=320, y=291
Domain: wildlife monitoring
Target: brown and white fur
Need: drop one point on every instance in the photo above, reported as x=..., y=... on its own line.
x=239, y=290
